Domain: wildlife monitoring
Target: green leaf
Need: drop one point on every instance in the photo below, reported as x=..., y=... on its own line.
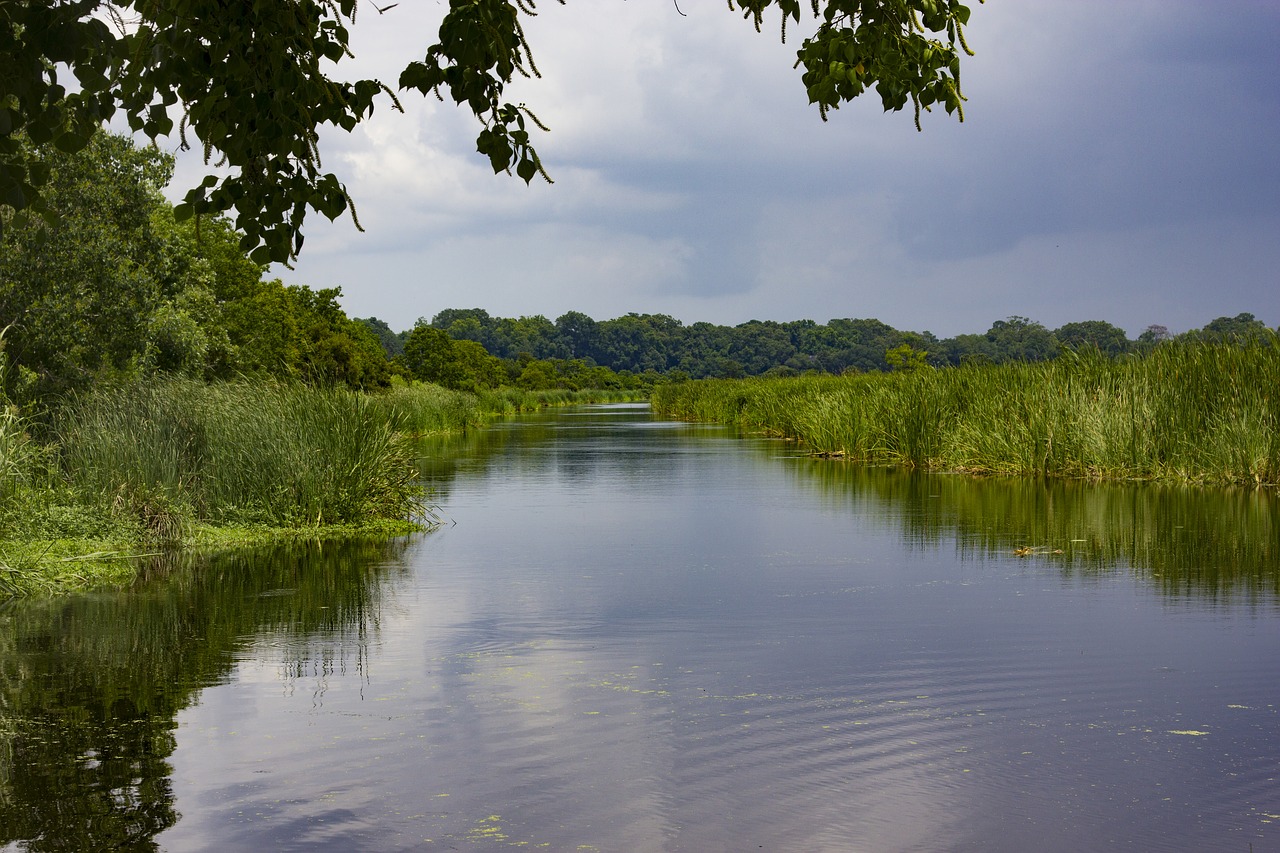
x=70, y=143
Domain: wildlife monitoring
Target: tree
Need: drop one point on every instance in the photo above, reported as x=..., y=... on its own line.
x=1239, y=328
x=1152, y=335
x=252, y=87
x=428, y=354
x=392, y=343
x=79, y=298
x=1107, y=338
x=905, y=358
x=1020, y=339
x=579, y=332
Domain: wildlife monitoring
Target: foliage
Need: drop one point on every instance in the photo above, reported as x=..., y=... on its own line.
x=1106, y=338
x=81, y=297
x=1242, y=327
x=121, y=289
x=237, y=452
x=906, y=359
x=255, y=87
x=1185, y=412
x=392, y=343
x=640, y=342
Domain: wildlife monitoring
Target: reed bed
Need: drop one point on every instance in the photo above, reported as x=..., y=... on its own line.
x=1189, y=412
x=421, y=409
x=264, y=453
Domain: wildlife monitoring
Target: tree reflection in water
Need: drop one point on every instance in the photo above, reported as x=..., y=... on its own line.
x=90, y=686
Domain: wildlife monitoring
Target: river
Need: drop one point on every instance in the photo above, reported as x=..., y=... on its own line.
x=636, y=635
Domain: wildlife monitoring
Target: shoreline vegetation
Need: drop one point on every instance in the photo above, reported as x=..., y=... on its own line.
x=1192, y=412
x=113, y=477
x=158, y=391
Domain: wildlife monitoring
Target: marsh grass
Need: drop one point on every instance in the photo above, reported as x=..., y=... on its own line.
x=129, y=470
x=422, y=409
x=1189, y=412
x=178, y=451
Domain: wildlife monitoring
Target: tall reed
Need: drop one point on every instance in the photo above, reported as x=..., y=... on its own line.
x=240, y=452
x=1188, y=412
x=422, y=409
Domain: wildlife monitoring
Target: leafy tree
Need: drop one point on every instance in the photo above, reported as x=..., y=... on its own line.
x=392, y=343
x=474, y=368
x=293, y=331
x=80, y=298
x=968, y=349
x=758, y=346
x=254, y=87
x=120, y=287
x=1107, y=338
x=1241, y=327
x=636, y=342
x=1020, y=339
x=579, y=333
x=428, y=354
x=906, y=359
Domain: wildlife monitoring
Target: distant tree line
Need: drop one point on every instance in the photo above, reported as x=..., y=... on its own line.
x=657, y=344
x=116, y=287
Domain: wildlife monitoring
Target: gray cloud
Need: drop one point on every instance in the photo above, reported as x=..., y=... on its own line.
x=1117, y=163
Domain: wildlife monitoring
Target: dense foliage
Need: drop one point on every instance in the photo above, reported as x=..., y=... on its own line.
x=637, y=343
x=120, y=289
x=1196, y=411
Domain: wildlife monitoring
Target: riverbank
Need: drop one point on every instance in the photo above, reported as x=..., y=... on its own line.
x=1187, y=412
x=114, y=477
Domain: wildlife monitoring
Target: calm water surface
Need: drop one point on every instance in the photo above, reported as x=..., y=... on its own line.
x=633, y=635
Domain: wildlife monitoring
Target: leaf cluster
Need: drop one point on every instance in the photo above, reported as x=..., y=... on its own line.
x=253, y=83
x=908, y=50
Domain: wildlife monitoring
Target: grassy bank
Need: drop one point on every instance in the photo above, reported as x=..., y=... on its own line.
x=1186, y=412
x=421, y=409
x=146, y=467
x=130, y=472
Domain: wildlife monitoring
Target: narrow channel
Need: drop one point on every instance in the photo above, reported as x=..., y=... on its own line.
x=637, y=635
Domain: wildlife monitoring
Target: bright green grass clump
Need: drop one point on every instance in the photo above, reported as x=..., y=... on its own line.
x=1186, y=412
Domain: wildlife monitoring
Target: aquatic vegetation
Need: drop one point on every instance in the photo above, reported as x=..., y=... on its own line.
x=237, y=452
x=422, y=409
x=1196, y=412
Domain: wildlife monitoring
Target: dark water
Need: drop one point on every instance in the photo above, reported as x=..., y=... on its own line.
x=634, y=636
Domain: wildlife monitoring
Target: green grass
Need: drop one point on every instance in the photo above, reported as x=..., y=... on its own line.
x=421, y=409
x=151, y=466
x=1186, y=412
x=258, y=453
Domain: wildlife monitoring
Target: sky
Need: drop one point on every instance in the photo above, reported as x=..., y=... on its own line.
x=1118, y=162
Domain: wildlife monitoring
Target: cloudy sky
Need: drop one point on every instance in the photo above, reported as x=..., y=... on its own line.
x=1119, y=161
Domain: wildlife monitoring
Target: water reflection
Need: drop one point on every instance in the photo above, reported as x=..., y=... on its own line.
x=1188, y=542
x=652, y=636
x=1194, y=543
x=90, y=686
